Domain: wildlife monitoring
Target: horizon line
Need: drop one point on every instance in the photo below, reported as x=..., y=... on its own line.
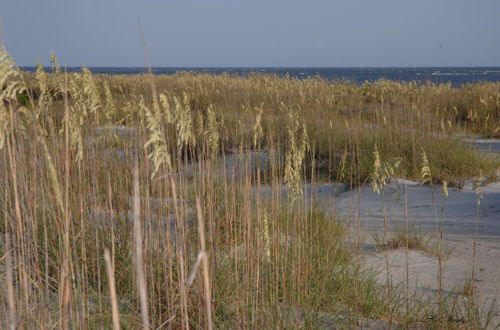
x=270, y=67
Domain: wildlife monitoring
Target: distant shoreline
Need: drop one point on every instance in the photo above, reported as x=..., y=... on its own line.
x=457, y=76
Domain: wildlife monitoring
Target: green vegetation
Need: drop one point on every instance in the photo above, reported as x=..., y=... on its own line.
x=192, y=240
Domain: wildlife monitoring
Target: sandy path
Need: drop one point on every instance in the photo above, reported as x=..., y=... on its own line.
x=458, y=214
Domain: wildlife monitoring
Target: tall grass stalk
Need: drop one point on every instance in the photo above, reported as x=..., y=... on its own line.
x=427, y=178
x=407, y=261
x=11, y=300
x=474, y=239
x=112, y=290
x=206, y=273
x=138, y=255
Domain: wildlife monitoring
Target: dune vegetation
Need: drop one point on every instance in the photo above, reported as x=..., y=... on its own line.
x=157, y=201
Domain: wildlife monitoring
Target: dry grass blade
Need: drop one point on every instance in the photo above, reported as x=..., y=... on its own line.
x=206, y=274
x=202, y=259
x=138, y=255
x=11, y=301
x=112, y=290
x=196, y=266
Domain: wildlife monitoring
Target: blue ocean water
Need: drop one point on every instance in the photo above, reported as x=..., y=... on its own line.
x=457, y=76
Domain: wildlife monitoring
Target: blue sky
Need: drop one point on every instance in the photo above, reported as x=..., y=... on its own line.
x=320, y=33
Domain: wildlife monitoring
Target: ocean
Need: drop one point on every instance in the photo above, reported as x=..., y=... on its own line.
x=456, y=76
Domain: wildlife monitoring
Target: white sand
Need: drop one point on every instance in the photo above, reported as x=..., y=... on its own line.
x=462, y=219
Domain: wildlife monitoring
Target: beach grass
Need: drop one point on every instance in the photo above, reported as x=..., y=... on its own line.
x=156, y=201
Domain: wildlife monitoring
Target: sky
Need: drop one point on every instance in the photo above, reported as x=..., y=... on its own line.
x=254, y=33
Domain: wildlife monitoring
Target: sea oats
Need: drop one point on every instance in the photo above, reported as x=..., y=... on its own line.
x=184, y=122
x=56, y=68
x=158, y=153
x=445, y=189
x=86, y=102
x=110, y=111
x=90, y=92
x=213, y=131
x=265, y=236
x=43, y=85
x=4, y=122
x=258, y=132
x=165, y=103
x=426, y=169
x=11, y=85
x=53, y=176
x=343, y=165
x=296, y=153
x=377, y=178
